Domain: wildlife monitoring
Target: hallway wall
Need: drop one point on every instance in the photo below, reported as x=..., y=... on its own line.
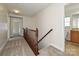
x=51, y=17
x=3, y=26
x=29, y=22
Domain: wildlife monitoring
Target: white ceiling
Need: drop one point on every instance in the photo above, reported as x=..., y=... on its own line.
x=71, y=9
x=28, y=9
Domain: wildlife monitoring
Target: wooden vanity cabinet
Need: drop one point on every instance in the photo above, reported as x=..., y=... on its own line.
x=74, y=36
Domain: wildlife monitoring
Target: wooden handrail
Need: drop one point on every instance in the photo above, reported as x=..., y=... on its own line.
x=32, y=40
x=43, y=37
x=34, y=44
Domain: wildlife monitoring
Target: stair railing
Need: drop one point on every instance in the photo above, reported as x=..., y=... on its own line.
x=43, y=37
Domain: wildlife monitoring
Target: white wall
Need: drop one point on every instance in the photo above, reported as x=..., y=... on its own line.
x=3, y=26
x=29, y=22
x=51, y=17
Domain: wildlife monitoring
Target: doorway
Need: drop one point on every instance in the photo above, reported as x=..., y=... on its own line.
x=16, y=26
x=72, y=29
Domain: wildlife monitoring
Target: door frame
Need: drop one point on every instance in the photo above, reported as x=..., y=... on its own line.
x=10, y=24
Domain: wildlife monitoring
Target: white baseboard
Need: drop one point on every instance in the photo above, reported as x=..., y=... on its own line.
x=56, y=47
x=1, y=48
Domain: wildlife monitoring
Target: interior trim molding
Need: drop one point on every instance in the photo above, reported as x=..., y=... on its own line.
x=54, y=46
x=1, y=48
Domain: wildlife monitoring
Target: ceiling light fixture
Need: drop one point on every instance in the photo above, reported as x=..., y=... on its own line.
x=16, y=11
